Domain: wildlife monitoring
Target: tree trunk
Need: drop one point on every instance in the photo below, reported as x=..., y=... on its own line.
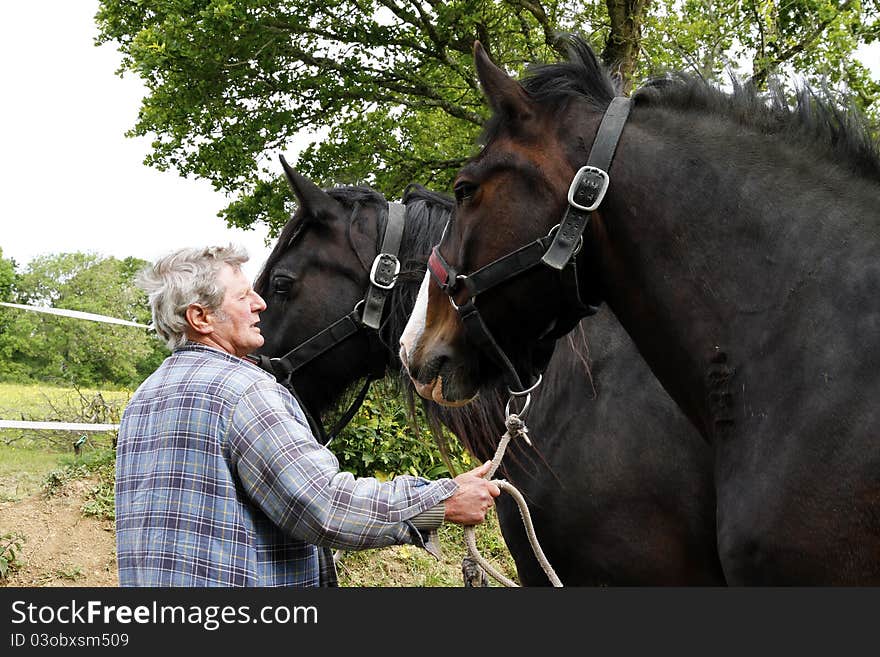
x=624, y=39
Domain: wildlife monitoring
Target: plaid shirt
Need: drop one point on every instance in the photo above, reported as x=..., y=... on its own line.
x=219, y=482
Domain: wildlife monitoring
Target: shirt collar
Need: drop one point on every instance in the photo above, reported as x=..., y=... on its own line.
x=191, y=346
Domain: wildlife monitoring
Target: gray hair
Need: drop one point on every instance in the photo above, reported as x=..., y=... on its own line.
x=182, y=278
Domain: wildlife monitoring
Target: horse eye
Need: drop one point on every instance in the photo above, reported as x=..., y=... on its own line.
x=282, y=284
x=464, y=191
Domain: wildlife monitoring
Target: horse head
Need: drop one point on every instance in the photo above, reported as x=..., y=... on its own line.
x=320, y=263
x=511, y=195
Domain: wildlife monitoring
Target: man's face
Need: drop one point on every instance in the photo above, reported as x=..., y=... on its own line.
x=235, y=322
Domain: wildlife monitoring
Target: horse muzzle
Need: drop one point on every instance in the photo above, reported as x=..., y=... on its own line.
x=437, y=380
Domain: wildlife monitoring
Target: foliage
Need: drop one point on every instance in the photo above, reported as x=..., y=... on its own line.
x=101, y=498
x=49, y=348
x=10, y=546
x=101, y=462
x=385, y=91
x=381, y=442
x=7, y=277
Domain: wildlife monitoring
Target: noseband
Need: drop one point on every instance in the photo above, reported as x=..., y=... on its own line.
x=366, y=315
x=557, y=250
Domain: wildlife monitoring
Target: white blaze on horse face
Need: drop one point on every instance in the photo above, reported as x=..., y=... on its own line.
x=415, y=326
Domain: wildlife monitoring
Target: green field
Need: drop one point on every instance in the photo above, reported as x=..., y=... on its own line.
x=26, y=455
x=42, y=402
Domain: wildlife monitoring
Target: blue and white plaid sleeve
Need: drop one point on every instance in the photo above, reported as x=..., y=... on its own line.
x=297, y=482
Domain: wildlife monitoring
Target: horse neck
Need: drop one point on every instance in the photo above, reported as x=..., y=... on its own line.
x=692, y=244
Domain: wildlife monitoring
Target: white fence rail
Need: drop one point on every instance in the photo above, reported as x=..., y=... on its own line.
x=65, y=426
x=56, y=426
x=63, y=312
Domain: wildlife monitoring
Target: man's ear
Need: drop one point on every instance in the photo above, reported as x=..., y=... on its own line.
x=199, y=319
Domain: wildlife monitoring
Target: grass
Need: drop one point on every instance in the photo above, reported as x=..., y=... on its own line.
x=38, y=400
x=23, y=470
x=28, y=456
x=409, y=566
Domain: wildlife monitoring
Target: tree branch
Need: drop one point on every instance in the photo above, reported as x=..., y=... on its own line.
x=759, y=78
x=536, y=9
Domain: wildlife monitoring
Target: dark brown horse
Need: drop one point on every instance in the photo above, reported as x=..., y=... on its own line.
x=618, y=483
x=738, y=244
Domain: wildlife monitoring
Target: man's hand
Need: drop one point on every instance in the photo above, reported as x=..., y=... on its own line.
x=473, y=497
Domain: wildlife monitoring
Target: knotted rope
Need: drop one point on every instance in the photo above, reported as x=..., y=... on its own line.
x=515, y=428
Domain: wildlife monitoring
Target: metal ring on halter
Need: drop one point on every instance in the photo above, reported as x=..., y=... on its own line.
x=528, y=394
x=460, y=277
x=514, y=393
x=524, y=408
x=358, y=305
x=580, y=243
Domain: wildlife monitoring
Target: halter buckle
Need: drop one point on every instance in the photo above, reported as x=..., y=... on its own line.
x=384, y=271
x=588, y=188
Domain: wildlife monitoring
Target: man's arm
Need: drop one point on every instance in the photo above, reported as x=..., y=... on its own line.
x=298, y=484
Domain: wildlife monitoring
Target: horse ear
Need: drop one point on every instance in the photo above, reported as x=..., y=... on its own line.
x=505, y=95
x=312, y=198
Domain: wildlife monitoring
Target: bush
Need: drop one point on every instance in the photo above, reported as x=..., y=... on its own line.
x=381, y=442
x=100, y=461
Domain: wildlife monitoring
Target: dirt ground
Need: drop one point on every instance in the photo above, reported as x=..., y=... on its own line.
x=62, y=547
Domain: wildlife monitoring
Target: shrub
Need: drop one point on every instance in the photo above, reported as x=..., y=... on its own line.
x=101, y=461
x=381, y=442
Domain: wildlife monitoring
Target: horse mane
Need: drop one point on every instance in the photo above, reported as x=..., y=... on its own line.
x=427, y=212
x=554, y=85
x=814, y=121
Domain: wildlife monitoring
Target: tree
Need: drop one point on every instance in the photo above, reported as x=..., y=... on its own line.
x=7, y=277
x=35, y=346
x=389, y=84
x=7, y=284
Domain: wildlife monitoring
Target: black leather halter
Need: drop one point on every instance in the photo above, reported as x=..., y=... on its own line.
x=366, y=315
x=557, y=250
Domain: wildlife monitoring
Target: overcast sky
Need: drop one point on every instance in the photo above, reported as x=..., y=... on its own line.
x=71, y=180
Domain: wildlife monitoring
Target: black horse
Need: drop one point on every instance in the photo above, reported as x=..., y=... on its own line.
x=618, y=483
x=737, y=243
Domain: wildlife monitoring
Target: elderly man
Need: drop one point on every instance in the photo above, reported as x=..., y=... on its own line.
x=219, y=481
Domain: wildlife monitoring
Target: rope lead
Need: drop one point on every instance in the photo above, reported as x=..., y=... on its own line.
x=515, y=428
